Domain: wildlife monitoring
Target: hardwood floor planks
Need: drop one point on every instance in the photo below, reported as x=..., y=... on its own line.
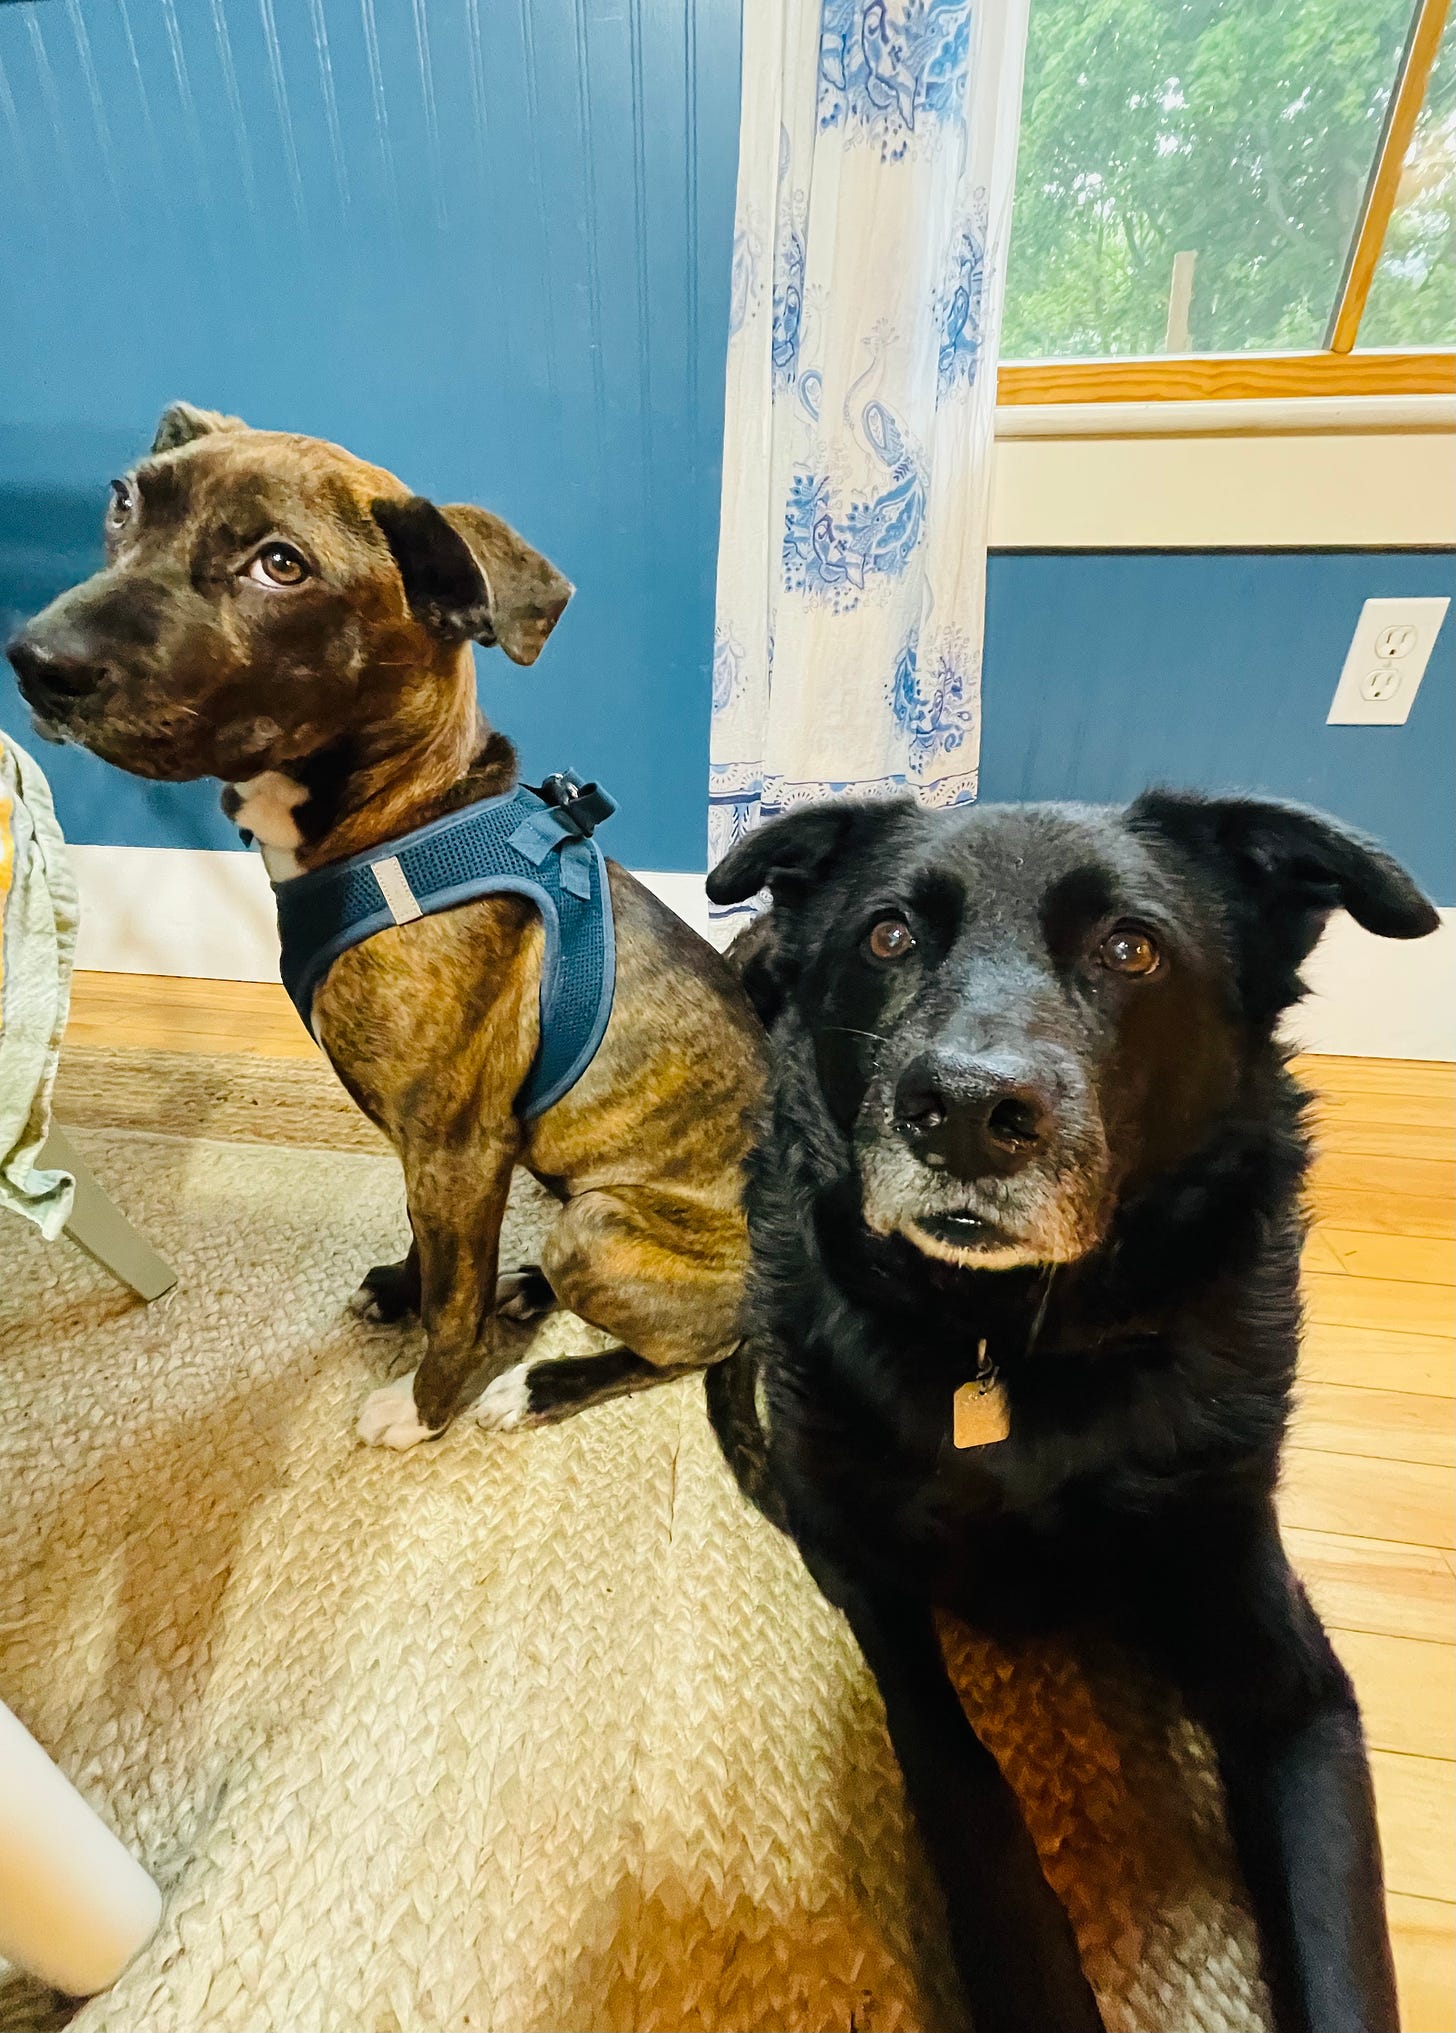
x=1404, y=1500
x=1407, y=1690
x=1391, y=1425
x=1377, y=1585
x=1377, y=1360
x=1416, y=1801
x=1366, y=1253
x=1423, y=1935
x=1387, y=1305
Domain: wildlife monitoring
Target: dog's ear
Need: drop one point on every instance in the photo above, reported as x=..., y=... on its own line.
x=1285, y=869
x=469, y=577
x=181, y=422
x=788, y=857
x=1294, y=862
x=790, y=854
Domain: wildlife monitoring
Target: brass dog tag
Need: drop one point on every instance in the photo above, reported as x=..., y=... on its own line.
x=981, y=1413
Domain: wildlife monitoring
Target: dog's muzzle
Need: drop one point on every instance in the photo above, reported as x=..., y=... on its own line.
x=979, y=1160
x=53, y=680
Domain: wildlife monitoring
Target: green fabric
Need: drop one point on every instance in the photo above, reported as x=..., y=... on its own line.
x=39, y=914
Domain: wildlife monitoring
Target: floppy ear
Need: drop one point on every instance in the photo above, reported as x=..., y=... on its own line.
x=1294, y=861
x=469, y=577
x=181, y=422
x=1287, y=869
x=788, y=857
x=789, y=854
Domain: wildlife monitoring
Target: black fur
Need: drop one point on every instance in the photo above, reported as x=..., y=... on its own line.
x=468, y=576
x=1148, y=1372
x=443, y=583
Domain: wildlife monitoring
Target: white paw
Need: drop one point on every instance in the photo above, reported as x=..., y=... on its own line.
x=365, y=1305
x=504, y=1406
x=389, y=1418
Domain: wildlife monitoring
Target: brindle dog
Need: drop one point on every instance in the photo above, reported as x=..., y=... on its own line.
x=281, y=615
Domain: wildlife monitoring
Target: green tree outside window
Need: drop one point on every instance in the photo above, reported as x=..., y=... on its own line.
x=1241, y=132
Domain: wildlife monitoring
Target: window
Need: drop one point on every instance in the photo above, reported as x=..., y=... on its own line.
x=1412, y=299
x=1222, y=179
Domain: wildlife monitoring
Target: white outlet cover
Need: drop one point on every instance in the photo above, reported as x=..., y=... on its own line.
x=1391, y=647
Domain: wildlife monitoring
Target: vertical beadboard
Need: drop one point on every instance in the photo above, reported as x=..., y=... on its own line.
x=484, y=242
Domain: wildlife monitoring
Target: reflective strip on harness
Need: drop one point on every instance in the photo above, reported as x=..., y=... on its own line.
x=394, y=888
x=522, y=843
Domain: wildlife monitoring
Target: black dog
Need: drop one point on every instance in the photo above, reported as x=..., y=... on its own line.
x=1034, y=1152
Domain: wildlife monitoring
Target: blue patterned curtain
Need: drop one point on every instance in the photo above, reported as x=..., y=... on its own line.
x=876, y=165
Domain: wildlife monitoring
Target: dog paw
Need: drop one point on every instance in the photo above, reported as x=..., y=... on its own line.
x=389, y=1418
x=524, y=1294
x=388, y=1293
x=504, y=1406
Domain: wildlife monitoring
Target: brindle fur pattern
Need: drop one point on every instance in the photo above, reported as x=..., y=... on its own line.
x=342, y=712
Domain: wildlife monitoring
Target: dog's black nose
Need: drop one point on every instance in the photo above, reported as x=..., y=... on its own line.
x=50, y=674
x=971, y=1117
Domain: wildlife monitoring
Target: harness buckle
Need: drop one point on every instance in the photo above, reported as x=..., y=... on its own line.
x=579, y=807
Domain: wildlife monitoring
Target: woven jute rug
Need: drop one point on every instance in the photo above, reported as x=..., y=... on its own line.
x=541, y=1731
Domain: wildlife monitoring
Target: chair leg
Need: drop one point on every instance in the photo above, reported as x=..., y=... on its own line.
x=98, y=1225
x=75, y=1907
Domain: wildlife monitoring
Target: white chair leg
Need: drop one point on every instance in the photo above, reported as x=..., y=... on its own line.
x=75, y=1907
x=100, y=1227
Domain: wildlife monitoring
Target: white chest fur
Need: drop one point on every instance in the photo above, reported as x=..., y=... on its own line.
x=266, y=808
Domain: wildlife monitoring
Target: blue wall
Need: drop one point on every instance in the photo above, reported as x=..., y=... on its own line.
x=1107, y=671
x=1104, y=672
x=499, y=265
x=493, y=257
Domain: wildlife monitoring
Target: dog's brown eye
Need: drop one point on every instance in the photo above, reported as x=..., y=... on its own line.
x=121, y=504
x=890, y=939
x=278, y=565
x=1127, y=949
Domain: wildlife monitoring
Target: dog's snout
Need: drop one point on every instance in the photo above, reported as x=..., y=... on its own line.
x=53, y=673
x=971, y=1117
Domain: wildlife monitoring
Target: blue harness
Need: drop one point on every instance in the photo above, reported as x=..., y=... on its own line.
x=534, y=844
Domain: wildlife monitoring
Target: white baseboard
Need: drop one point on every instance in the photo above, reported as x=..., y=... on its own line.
x=1380, y=998
x=175, y=910
x=209, y=913
x=180, y=910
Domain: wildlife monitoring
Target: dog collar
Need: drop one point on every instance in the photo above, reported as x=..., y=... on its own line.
x=532, y=843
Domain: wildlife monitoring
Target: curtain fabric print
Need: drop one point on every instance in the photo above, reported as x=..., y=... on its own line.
x=876, y=166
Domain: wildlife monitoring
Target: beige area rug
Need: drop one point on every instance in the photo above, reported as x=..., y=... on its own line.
x=536, y=1733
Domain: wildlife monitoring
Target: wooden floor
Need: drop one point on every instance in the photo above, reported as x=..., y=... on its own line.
x=1371, y=1471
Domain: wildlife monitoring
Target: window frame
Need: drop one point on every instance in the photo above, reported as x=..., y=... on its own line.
x=1336, y=369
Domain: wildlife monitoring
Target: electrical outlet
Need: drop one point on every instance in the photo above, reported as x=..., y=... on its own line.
x=1388, y=656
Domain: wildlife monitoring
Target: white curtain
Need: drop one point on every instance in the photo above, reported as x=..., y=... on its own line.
x=877, y=156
